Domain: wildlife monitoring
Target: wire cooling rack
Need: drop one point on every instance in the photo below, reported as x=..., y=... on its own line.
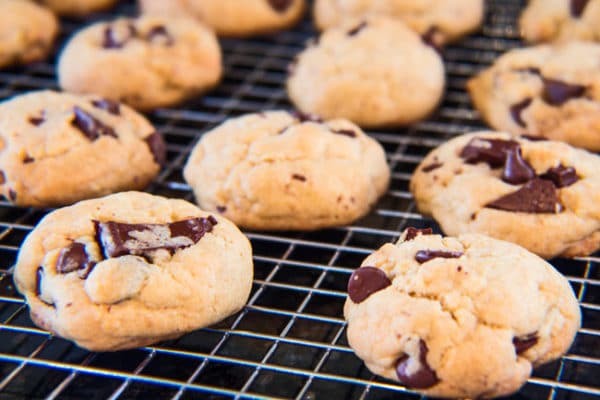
x=290, y=340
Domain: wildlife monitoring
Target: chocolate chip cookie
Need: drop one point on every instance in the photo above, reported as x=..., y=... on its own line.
x=277, y=170
x=132, y=269
x=465, y=317
x=561, y=20
x=27, y=32
x=58, y=148
x=542, y=195
x=232, y=17
x=77, y=8
x=375, y=72
x=147, y=62
x=546, y=91
x=438, y=21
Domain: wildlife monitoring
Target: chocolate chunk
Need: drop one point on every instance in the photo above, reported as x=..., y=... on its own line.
x=302, y=117
x=412, y=233
x=2, y=178
x=90, y=126
x=536, y=196
x=117, y=239
x=517, y=109
x=561, y=176
x=355, y=31
x=28, y=159
x=490, y=151
x=37, y=121
x=365, y=281
x=577, y=7
x=113, y=107
x=111, y=39
x=423, y=256
x=280, y=5
x=516, y=170
x=345, y=132
x=73, y=258
x=299, y=177
x=161, y=35
x=558, y=92
x=221, y=209
x=524, y=343
x=424, y=377
x=431, y=167
x=158, y=147
x=39, y=275
x=432, y=38
x=12, y=195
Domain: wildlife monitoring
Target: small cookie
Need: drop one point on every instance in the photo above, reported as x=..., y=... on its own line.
x=77, y=8
x=232, y=17
x=57, y=148
x=147, y=62
x=465, y=317
x=548, y=91
x=276, y=170
x=560, y=20
x=27, y=32
x=376, y=73
x=132, y=269
x=542, y=195
x=440, y=21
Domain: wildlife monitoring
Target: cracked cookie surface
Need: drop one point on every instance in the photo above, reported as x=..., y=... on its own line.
x=276, y=170
x=232, y=17
x=58, y=148
x=77, y=8
x=542, y=195
x=375, y=72
x=147, y=62
x=470, y=325
x=132, y=269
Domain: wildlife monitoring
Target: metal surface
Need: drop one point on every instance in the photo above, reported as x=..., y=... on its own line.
x=290, y=340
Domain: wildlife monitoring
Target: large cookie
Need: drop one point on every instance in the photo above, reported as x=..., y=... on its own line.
x=57, y=148
x=561, y=20
x=542, y=195
x=77, y=8
x=549, y=91
x=132, y=269
x=441, y=21
x=27, y=32
x=147, y=62
x=375, y=72
x=464, y=317
x=276, y=170
x=232, y=17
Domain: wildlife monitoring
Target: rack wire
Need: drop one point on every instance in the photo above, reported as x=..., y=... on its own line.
x=289, y=341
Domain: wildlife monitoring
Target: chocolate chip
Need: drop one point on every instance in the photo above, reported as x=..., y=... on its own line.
x=280, y=5
x=12, y=195
x=37, y=121
x=303, y=117
x=536, y=196
x=299, y=177
x=516, y=170
x=2, y=178
x=365, y=281
x=432, y=38
x=412, y=233
x=557, y=92
x=534, y=138
x=117, y=239
x=113, y=107
x=158, y=147
x=424, y=377
x=490, y=151
x=160, y=34
x=73, y=258
x=39, y=275
x=355, y=31
x=221, y=209
x=28, y=159
x=431, y=167
x=561, y=176
x=111, y=41
x=345, y=132
x=90, y=126
x=423, y=256
x=524, y=343
x=577, y=7
x=517, y=109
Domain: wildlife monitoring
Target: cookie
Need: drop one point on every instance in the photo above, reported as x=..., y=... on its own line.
x=57, y=148
x=77, y=8
x=560, y=20
x=232, y=17
x=458, y=317
x=131, y=269
x=376, y=73
x=440, y=21
x=542, y=195
x=276, y=170
x=547, y=91
x=147, y=62
x=27, y=32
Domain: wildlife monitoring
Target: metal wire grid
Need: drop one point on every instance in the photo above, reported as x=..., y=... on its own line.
x=289, y=342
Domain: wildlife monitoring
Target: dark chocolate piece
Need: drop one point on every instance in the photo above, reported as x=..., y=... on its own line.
x=365, y=281
x=536, y=196
x=412, y=233
x=423, y=256
x=28, y=159
x=557, y=92
x=534, y=138
x=356, y=30
x=90, y=126
x=490, y=151
x=158, y=147
x=345, y=132
x=431, y=167
x=577, y=7
x=516, y=170
x=221, y=209
x=160, y=34
x=73, y=258
x=422, y=378
x=113, y=107
x=561, y=176
x=302, y=117
x=517, y=109
x=299, y=177
x=280, y=5
x=524, y=343
x=37, y=121
x=111, y=41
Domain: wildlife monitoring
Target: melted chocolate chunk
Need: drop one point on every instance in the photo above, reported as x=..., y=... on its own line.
x=113, y=107
x=423, y=256
x=299, y=177
x=280, y=5
x=557, y=92
x=517, y=109
x=422, y=378
x=365, y=281
x=161, y=35
x=561, y=176
x=90, y=126
x=117, y=239
x=577, y=7
x=431, y=38
x=302, y=117
x=12, y=195
x=158, y=147
x=412, y=233
x=356, y=30
x=524, y=343
x=37, y=121
x=516, y=170
x=431, y=167
x=536, y=196
x=490, y=151
x=73, y=258
x=345, y=132
x=111, y=39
